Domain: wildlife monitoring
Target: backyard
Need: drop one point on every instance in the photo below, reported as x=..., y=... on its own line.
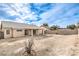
x=48, y=45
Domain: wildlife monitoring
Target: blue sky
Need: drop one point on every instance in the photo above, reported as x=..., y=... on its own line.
x=61, y=14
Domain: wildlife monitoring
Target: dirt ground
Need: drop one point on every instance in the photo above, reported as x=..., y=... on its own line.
x=49, y=45
x=57, y=45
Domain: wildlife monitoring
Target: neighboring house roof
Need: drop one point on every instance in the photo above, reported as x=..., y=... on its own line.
x=15, y=25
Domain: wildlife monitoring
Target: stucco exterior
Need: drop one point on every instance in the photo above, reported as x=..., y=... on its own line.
x=13, y=29
x=40, y=32
x=18, y=33
x=7, y=35
x=13, y=33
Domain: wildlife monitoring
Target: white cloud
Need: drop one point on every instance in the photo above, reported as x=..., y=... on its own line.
x=50, y=15
x=24, y=9
x=19, y=20
x=23, y=13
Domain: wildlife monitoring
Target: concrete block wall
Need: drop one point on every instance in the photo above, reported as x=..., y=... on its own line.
x=63, y=31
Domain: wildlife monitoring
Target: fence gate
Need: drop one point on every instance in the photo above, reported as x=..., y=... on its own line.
x=1, y=35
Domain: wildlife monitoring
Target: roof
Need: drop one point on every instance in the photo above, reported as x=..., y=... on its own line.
x=15, y=25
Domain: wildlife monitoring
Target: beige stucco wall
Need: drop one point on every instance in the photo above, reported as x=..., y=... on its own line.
x=41, y=32
x=15, y=33
x=38, y=32
x=29, y=32
x=7, y=35
x=18, y=33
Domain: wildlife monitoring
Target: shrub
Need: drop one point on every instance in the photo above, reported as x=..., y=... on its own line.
x=29, y=47
x=71, y=26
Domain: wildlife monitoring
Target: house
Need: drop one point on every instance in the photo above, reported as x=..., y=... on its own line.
x=10, y=29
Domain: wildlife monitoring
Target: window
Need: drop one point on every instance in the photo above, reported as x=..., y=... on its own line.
x=19, y=30
x=7, y=31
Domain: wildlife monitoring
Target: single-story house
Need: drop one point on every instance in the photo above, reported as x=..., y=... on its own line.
x=10, y=29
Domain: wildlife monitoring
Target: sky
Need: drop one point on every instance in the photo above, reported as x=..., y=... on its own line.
x=61, y=14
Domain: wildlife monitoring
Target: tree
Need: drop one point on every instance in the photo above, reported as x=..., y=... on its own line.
x=54, y=27
x=45, y=25
x=78, y=24
x=72, y=26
